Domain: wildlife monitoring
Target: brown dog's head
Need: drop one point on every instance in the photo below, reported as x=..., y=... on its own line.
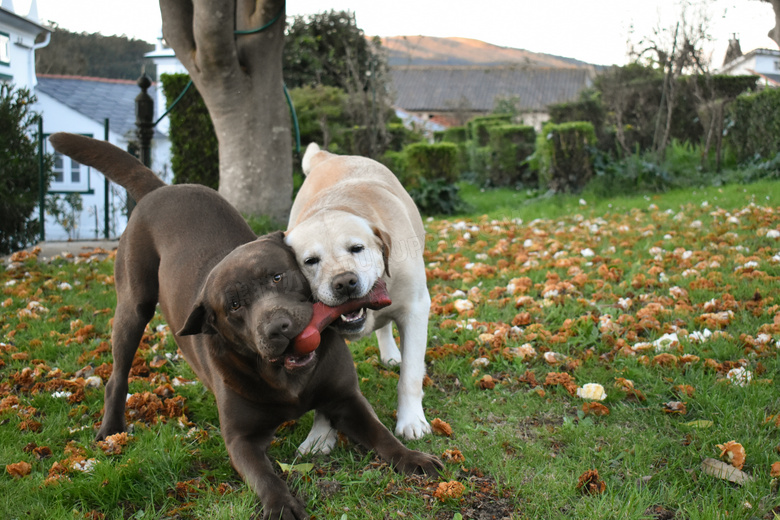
x=257, y=299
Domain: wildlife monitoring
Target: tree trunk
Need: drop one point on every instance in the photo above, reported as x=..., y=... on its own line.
x=775, y=33
x=239, y=77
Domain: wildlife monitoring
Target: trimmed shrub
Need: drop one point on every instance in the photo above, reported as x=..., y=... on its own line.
x=754, y=129
x=19, y=175
x=431, y=161
x=455, y=134
x=511, y=146
x=437, y=197
x=194, y=147
x=564, y=156
x=477, y=127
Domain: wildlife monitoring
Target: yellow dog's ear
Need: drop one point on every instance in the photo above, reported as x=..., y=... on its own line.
x=384, y=239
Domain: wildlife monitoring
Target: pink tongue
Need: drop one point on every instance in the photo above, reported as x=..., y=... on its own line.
x=322, y=316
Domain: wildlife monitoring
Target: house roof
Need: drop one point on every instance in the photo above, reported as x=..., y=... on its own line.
x=21, y=23
x=97, y=98
x=445, y=89
x=746, y=57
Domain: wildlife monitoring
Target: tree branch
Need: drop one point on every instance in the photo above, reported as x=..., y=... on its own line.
x=177, y=30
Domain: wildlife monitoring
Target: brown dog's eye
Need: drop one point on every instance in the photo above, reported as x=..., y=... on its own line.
x=277, y=278
x=235, y=305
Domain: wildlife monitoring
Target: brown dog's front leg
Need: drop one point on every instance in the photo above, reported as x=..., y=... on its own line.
x=248, y=432
x=354, y=417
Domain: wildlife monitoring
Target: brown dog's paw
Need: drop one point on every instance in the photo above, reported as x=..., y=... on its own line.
x=285, y=508
x=419, y=463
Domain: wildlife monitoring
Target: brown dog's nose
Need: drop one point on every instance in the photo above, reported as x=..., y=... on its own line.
x=345, y=284
x=279, y=326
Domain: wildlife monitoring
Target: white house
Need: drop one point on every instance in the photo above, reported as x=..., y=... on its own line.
x=764, y=63
x=100, y=108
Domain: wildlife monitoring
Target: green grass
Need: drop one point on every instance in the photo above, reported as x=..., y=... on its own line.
x=659, y=264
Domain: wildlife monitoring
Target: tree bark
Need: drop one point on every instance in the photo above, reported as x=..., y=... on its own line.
x=775, y=33
x=239, y=77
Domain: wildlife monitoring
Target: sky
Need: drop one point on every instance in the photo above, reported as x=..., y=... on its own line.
x=595, y=31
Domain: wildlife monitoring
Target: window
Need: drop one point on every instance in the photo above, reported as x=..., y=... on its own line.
x=5, y=49
x=69, y=175
x=777, y=64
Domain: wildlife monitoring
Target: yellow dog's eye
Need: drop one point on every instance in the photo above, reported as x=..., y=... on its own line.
x=277, y=278
x=357, y=248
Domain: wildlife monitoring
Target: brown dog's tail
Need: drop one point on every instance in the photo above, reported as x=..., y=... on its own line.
x=113, y=162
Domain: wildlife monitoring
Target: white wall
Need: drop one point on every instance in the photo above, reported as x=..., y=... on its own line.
x=90, y=223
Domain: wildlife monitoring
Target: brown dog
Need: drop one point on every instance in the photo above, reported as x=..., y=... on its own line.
x=237, y=302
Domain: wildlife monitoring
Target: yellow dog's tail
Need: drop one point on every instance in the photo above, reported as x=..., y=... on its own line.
x=313, y=156
x=113, y=162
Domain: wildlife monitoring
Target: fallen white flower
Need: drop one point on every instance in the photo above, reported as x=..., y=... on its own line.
x=739, y=376
x=593, y=391
x=666, y=342
x=463, y=305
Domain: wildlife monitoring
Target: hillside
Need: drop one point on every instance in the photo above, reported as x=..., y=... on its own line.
x=433, y=51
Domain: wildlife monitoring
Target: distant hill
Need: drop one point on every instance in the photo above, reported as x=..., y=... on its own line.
x=433, y=51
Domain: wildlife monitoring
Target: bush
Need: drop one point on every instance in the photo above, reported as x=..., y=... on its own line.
x=564, y=155
x=477, y=127
x=194, y=147
x=755, y=125
x=431, y=162
x=19, y=170
x=437, y=197
x=511, y=146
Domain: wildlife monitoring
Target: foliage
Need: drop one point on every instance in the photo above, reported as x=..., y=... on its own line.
x=454, y=134
x=430, y=161
x=321, y=114
x=329, y=49
x=477, y=128
x=529, y=303
x=194, y=147
x=565, y=156
x=66, y=209
x=19, y=170
x=93, y=55
x=511, y=146
x=754, y=128
x=624, y=106
x=437, y=196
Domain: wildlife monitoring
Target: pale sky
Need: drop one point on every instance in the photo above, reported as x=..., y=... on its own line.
x=594, y=31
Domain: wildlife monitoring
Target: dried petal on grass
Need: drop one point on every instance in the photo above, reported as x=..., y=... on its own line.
x=486, y=383
x=627, y=386
x=733, y=453
x=452, y=489
x=563, y=379
x=18, y=469
x=724, y=471
x=775, y=470
x=594, y=408
x=440, y=427
x=455, y=455
x=590, y=483
x=113, y=444
x=675, y=407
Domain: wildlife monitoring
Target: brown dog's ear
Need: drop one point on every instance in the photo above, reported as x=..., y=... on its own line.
x=384, y=238
x=198, y=322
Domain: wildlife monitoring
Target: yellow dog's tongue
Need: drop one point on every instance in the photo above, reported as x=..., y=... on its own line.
x=309, y=338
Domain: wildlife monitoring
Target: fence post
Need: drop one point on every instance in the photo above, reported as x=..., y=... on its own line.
x=105, y=187
x=144, y=127
x=41, y=181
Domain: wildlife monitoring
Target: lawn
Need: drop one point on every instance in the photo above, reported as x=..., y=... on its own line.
x=665, y=306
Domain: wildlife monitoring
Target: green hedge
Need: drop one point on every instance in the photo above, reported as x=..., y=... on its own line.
x=511, y=146
x=194, y=147
x=477, y=128
x=430, y=162
x=755, y=125
x=564, y=155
